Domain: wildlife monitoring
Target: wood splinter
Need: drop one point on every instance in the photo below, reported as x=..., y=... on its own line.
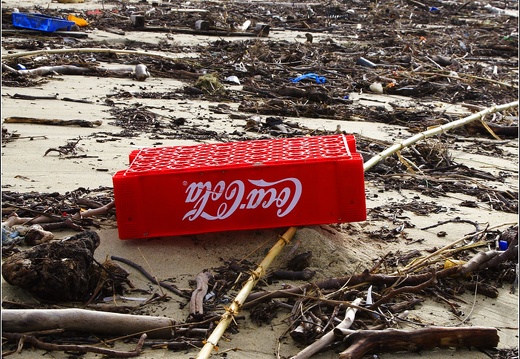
x=197, y=297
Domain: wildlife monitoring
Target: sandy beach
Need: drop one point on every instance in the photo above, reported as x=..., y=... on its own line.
x=338, y=249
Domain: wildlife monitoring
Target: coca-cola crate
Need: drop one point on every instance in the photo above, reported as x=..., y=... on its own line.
x=168, y=191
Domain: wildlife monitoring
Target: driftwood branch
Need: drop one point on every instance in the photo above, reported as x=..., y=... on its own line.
x=95, y=211
x=29, y=339
x=365, y=342
x=140, y=71
x=81, y=320
x=407, y=289
x=87, y=50
x=53, y=122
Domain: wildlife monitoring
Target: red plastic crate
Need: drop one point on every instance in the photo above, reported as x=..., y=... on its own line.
x=179, y=190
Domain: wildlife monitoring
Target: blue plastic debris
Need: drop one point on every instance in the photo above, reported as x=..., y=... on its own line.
x=434, y=9
x=40, y=22
x=9, y=236
x=503, y=245
x=318, y=79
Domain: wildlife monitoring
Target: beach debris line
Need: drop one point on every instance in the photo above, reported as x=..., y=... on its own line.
x=171, y=287
x=319, y=304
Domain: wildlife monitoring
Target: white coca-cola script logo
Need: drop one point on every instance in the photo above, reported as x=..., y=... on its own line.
x=283, y=194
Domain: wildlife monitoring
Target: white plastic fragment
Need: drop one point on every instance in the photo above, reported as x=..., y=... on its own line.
x=376, y=87
x=232, y=79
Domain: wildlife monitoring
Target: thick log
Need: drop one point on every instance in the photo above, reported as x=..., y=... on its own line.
x=81, y=320
x=366, y=342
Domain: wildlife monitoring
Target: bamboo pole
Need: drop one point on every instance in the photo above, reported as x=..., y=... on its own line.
x=227, y=317
x=435, y=131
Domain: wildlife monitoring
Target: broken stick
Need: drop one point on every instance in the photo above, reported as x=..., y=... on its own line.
x=53, y=122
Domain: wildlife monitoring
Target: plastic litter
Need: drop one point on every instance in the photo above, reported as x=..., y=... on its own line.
x=245, y=25
x=77, y=20
x=40, y=22
x=503, y=245
x=312, y=76
x=241, y=185
x=376, y=87
x=240, y=67
x=232, y=79
x=364, y=62
x=10, y=235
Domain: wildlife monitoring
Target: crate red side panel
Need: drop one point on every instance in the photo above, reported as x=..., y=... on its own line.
x=236, y=186
x=246, y=198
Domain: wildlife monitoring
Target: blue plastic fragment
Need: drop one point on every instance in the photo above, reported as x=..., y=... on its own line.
x=502, y=245
x=40, y=22
x=21, y=67
x=318, y=79
x=434, y=9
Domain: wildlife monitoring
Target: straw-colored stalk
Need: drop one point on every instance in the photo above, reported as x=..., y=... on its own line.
x=435, y=131
x=234, y=308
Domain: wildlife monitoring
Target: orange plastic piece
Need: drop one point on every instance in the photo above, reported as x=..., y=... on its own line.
x=79, y=21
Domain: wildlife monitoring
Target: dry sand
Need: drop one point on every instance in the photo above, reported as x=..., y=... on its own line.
x=336, y=253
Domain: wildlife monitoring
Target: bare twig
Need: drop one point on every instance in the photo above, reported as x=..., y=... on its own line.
x=29, y=339
x=151, y=278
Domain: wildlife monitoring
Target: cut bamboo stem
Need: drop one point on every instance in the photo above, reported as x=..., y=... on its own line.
x=234, y=308
x=435, y=131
